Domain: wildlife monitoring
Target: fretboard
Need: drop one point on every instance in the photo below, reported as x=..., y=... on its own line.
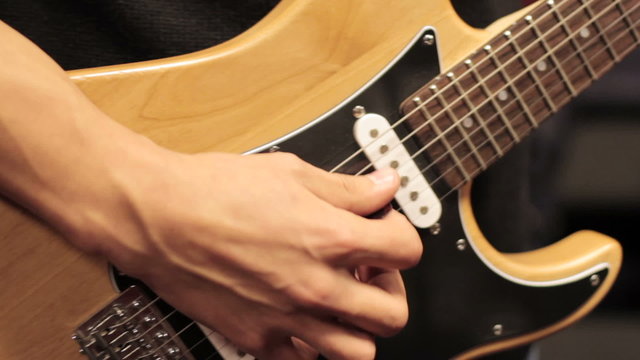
x=467, y=118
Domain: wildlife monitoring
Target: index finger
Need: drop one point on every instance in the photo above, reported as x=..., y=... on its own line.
x=378, y=306
x=387, y=242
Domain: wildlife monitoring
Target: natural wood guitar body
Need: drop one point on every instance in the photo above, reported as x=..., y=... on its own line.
x=301, y=60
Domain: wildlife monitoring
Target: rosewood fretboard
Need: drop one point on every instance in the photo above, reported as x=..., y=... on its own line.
x=470, y=116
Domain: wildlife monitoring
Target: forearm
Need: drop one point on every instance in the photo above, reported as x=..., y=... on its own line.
x=264, y=237
x=59, y=152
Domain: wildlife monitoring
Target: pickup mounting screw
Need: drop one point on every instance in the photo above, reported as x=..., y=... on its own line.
x=428, y=39
x=497, y=329
x=359, y=111
x=461, y=244
x=435, y=229
x=594, y=280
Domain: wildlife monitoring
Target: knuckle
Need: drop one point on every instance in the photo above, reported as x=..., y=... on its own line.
x=342, y=236
x=347, y=184
x=288, y=160
x=363, y=351
x=411, y=243
x=414, y=253
x=340, y=242
x=396, y=320
x=313, y=294
x=252, y=343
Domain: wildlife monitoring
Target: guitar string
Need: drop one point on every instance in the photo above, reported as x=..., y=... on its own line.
x=124, y=321
x=512, y=101
x=456, y=145
x=562, y=43
x=167, y=342
x=585, y=46
x=595, y=18
x=573, y=72
x=478, y=171
x=474, y=67
x=140, y=336
x=498, y=71
x=605, y=49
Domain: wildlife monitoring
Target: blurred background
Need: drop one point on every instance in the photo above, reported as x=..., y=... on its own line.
x=590, y=152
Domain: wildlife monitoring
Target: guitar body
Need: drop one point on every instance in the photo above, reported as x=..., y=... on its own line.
x=295, y=68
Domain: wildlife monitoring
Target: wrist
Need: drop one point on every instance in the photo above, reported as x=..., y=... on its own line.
x=93, y=206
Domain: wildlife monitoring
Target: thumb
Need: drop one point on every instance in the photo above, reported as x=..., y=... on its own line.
x=362, y=195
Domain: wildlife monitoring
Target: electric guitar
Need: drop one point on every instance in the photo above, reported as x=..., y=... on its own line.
x=349, y=86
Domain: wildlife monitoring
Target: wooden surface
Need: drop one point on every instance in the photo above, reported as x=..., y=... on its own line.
x=302, y=59
x=573, y=255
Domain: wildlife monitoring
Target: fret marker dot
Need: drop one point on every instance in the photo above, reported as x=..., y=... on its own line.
x=413, y=195
x=541, y=66
x=467, y=122
x=404, y=181
x=373, y=133
x=584, y=33
x=384, y=149
x=424, y=210
x=503, y=95
x=394, y=164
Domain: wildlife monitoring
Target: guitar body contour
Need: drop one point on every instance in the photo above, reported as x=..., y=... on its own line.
x=301, y=61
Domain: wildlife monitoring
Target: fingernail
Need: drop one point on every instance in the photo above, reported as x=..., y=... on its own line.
x=382, y=176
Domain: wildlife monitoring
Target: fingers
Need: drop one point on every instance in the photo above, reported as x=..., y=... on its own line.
x=389, y=242
x=361, y=195
x=287, y=350
x=379, y=306
x=334, y=340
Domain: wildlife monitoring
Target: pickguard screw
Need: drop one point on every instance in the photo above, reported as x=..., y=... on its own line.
x=497, y=329
x=594, y=280
x=359, y=111
x=461, y=244
x=428, y=39
x=274, y=148
x=435, y=229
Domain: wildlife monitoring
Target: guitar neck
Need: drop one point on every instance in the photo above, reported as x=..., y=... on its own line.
x=467, y=118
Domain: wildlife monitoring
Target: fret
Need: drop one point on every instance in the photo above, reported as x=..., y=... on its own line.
x=571, y=35
x=451, y=108
x=459, y=123
x=577, y=25
x=491, y=96
x=612, y=52
x=538, y=83
x=549, y=50
x=442, y=138
x=594, y=48
x=543, y=60
x=512, y=60
x=469, y=120
x=630, y=24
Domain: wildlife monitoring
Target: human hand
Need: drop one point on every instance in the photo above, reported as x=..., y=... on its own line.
x=263, y=248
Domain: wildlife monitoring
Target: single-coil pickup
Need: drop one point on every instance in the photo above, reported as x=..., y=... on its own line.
x=383, y=148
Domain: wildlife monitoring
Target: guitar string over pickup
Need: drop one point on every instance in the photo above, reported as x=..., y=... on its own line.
x=382, y=146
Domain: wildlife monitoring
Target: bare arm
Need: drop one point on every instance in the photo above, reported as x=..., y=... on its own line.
x=265, y=238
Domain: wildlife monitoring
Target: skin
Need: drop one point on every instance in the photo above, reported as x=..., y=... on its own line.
x=275, y=254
